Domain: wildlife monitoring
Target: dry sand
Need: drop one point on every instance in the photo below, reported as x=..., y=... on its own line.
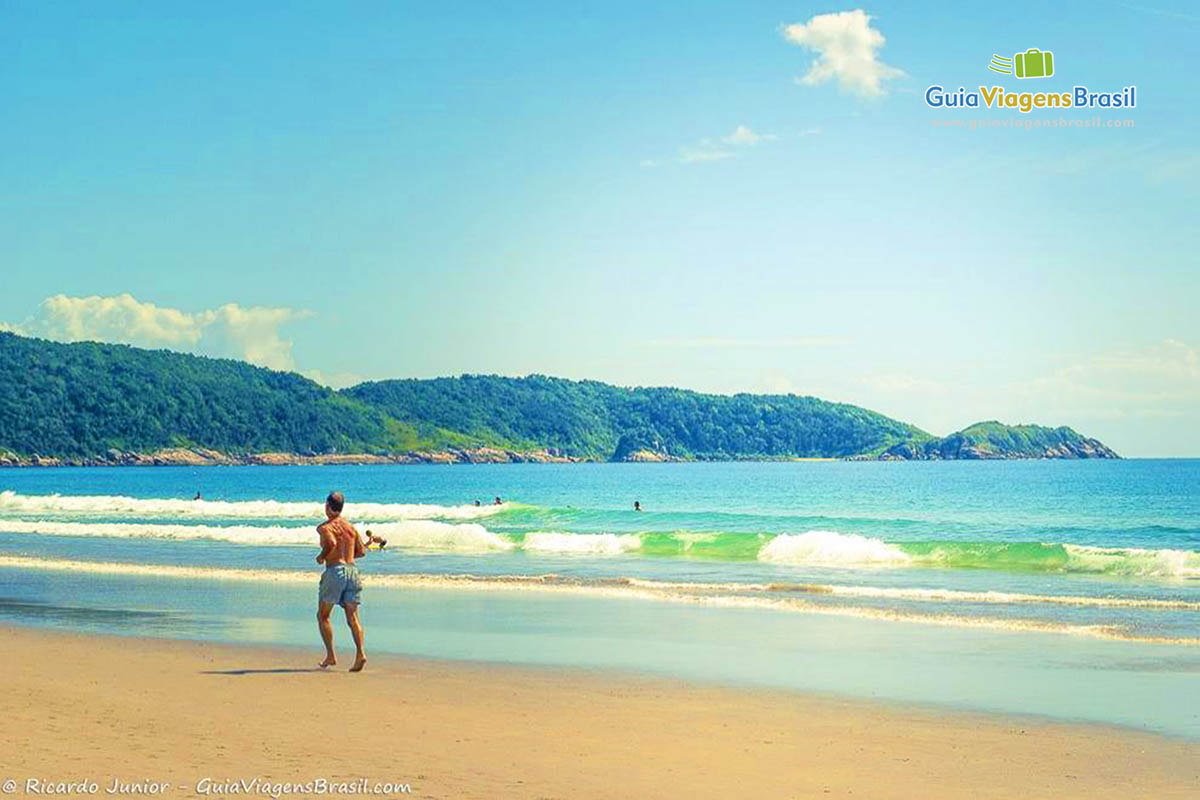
x=78, y=707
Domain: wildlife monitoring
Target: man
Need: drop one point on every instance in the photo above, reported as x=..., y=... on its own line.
x=340, y=583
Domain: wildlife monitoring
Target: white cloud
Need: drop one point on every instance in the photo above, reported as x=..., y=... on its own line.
x=742, y=135
x=847, y=51
x=251, y=334
x=722, y=148
x=231, y=331
x=114, y=319
x=334, y=380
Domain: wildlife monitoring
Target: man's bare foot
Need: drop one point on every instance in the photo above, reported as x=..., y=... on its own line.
x=328, y=662
x=359, y=663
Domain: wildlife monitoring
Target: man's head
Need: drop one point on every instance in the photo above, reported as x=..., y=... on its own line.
x=334, y=504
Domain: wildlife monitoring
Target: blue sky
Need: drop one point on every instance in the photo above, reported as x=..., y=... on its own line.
x=370, y=190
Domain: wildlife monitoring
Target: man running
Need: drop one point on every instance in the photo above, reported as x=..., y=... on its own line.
x=340, y=582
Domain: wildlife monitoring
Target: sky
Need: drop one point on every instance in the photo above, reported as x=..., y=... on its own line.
x=723, y=196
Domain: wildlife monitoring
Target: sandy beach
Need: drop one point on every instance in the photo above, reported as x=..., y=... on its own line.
x=196, y=716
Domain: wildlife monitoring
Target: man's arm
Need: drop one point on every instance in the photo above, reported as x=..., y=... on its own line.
x=327, y=543
x=360, y=549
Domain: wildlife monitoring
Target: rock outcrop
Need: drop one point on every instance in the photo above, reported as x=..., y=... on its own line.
x=203, y=457
x=995, y=440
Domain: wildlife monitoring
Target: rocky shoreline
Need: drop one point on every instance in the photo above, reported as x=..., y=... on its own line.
x=203, y=457
x=955, y=449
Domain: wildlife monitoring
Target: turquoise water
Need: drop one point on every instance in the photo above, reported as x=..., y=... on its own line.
x=1067, y=589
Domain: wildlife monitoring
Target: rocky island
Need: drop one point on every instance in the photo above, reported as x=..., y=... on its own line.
x=995, y=440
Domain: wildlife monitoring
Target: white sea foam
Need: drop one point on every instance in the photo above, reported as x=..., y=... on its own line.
x=241, y=534
x=829, y=548
x=960, y=596
x=832, y=549
x=931, y=595
x=644, y=590
x=1133, y=562
x=433, y=535
x=67, y=515
x=102, y=505
x=592, y=544
x=416, y=533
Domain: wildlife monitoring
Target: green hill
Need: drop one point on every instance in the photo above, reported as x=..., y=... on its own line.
x=90, y=402
x=587, y=419
x=82, y=400
x=992, y=439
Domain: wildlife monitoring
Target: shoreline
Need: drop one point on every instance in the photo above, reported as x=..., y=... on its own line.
x=200, y=457
x=182, y=457
x=179, y=711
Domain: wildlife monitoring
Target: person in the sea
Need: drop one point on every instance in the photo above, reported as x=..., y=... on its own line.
x=341, y=583
x=637, y=505
x=497, y=501
x=197, y=497
x=378, y=541
x=478, y=503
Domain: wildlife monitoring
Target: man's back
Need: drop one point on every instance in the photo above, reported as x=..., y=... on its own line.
x=341, y=540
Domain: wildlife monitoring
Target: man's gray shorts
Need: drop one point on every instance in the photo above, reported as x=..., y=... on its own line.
x=340, y=584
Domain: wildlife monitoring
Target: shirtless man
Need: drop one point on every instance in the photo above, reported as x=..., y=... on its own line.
x=340, y=583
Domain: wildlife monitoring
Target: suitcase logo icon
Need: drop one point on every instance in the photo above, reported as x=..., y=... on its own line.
x=1033, y=63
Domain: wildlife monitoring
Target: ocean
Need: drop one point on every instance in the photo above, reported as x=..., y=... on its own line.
x=1061, y=589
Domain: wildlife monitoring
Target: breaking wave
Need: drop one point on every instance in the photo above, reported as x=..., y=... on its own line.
x=830, y=549
x=107, y=505
x=818, y=548
x=424, y=534
x=595, y=544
